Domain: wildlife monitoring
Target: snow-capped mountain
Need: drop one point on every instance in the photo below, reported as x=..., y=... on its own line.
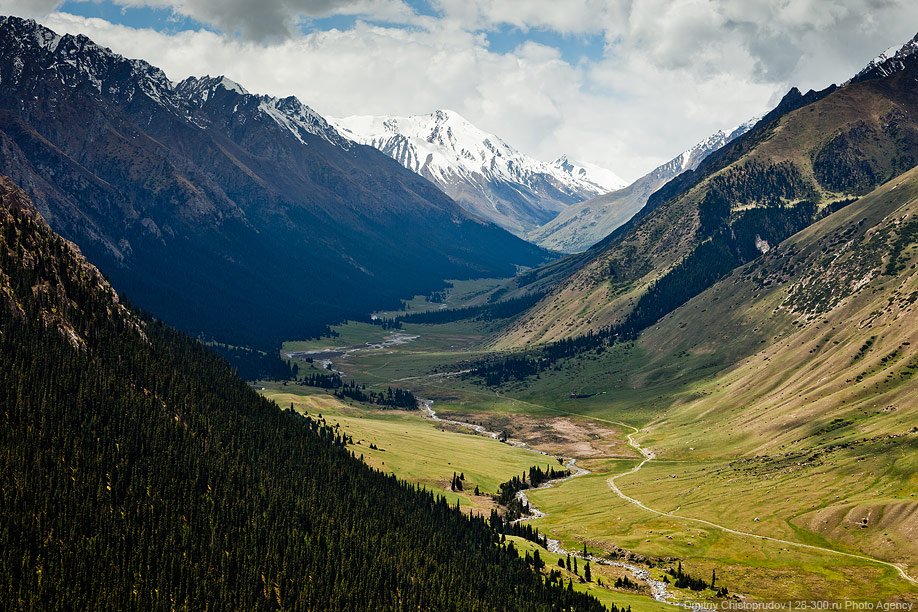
x=194, y=195
x=488, y=177
x=890, y=61
x=582, y=225
x=602, y=178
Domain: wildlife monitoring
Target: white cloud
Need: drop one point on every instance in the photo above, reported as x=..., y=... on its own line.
x=28, y=8
x=673, y=70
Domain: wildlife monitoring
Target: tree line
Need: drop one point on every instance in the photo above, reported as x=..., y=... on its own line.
x=486, y=312
x=390, y=398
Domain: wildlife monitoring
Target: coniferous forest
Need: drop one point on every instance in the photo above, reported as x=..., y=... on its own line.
x=138, y=471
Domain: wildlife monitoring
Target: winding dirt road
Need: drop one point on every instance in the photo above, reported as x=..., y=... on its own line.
x=650, y=456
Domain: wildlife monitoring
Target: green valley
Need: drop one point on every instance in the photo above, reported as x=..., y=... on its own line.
x=762, y=429
x=258, y=357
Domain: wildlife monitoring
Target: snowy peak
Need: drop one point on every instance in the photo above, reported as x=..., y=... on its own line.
x=28, y=50
x=198, y=90
x=487, y=176
x=602, y=178
x=289, y=113
x=443, y=144
x=690, y=158
x=889, y=62
x=300, y=120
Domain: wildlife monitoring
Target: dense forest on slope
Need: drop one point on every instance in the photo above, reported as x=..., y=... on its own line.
x=137, y=471
x=244, y=218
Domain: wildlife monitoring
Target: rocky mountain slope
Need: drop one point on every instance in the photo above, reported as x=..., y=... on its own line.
x=814, y=153
x=488, y=177
x=581, y=225
x=243, y=217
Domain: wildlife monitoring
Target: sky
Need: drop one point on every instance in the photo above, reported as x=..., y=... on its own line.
x=626, y=84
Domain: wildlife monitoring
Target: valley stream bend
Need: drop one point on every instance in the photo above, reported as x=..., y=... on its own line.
x=658, y=589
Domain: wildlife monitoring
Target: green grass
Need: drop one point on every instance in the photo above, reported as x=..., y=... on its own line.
x=463, y=293
x=735, y=445
x=584, y=509
x=350, y=334
x=414, y=449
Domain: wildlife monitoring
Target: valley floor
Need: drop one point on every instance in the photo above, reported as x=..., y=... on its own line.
x=781, y=525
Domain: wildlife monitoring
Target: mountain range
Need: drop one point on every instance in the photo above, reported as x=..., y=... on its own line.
x=581, y=225
x=489, y=178
x=811, y=155
x=194, y=195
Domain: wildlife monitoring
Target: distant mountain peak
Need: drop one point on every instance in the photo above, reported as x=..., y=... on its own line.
x=487, y=176
x=297, y=117
x=580, y=226
x=889, y=62
x=289, y=113
x=602, y=178
x=203, y=87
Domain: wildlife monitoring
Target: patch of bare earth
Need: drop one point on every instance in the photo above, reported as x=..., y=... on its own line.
x=558, y=436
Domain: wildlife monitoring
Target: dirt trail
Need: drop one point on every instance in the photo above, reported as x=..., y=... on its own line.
x=657, y=588
x=650, y=456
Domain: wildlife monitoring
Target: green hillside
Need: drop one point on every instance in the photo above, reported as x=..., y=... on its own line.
x=779, y=403
x=780, y=177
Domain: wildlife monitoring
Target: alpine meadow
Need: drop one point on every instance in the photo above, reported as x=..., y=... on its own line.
x=426, y=305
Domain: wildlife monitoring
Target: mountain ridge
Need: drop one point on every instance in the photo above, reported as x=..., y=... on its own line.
x=581, y=225
x=818, y=150
x=193, y=195
x=489, y=178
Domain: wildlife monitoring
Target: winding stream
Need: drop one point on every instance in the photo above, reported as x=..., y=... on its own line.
x=658, y=589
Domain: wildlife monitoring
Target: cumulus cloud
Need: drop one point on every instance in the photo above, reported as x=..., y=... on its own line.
x=671, y=72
